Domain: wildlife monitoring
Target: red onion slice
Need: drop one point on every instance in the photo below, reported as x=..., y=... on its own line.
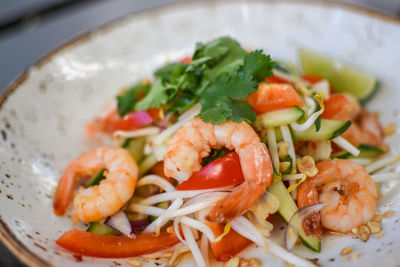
x=291, y=233
x=120, y=222
x=139, y=224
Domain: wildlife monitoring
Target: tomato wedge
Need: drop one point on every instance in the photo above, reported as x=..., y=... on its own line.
x=220, y=172
x=274, y=96
x=108, y=246
x=229, y=245
x=134, y=120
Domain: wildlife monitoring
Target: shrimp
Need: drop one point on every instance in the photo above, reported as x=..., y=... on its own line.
x=348, y=192
x=99, y=201
x=194, y=141
x=366, y=127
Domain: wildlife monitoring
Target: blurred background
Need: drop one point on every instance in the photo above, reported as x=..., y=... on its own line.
x=31, y=28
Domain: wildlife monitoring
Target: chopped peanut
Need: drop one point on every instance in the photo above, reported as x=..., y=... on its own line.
x=389, y=214
x=380, y=235
x=389, y=129
x=355, y=257
x=134, y=262
x=233, y=262
x=283, y=150
x=365, y=233
x=254, y=263
x=374, y=227
x=355, y=231
x=306, y=165
x=346, y=250
x=377, y=218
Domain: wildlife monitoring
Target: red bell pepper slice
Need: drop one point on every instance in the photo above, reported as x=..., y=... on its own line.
x=218, y=173
x=108, y=246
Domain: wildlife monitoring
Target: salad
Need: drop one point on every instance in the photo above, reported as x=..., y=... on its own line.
x=208, y=150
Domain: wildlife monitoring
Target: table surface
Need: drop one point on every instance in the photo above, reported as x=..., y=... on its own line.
x=29, y=29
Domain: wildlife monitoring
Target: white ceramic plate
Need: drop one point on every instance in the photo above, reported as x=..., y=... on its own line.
x=42, y=115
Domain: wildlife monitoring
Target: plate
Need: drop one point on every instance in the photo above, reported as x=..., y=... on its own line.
x=43, y=113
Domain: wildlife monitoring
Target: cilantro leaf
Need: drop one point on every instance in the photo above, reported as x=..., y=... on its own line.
x=222, y=74
x=242, y=111
x=171, y=72
x=182, y=102
x=127, y=100
x=216, y=114
x=258, y=65
x=157, y=96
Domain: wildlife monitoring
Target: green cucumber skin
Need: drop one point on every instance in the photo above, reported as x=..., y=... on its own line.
x=287, y=208
x=100, y=229
x=329, y=130
x=281, y=117
x=366, y=151
x=341, y=129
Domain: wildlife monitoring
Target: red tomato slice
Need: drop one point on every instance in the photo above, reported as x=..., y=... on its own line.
x=221, y=172
x=274, y=96
x=109, y=246
x=134, y=120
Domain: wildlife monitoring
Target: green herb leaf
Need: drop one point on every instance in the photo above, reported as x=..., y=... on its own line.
x=258, y=65
x=219, y=112
x=182, y=102
x=127, y=100
x=242, y=111
x=157, y=96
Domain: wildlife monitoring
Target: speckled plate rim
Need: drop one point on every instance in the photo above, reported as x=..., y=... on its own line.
x=7, y=237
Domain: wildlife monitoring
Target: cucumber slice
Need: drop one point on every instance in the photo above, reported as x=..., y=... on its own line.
x=100, y=229
x=329, y=130
x=342, y=77
x=162, y=205
x=96, y=178
x=147, y=163
x=366, y=151
x=135, y=147
x=280, y=117
x=287, y=208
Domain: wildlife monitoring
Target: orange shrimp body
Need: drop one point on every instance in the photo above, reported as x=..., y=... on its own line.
x=348, y=191
x=99, y=201
x=366, y=127
x=194, y=141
